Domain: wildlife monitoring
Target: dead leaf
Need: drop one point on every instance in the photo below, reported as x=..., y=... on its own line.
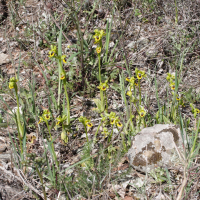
x=128, y=198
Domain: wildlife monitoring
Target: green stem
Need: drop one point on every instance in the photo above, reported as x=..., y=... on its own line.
x=106, y=102
x=99, y=67
x=59, y=83
x=68, y=102
x=195, y=139
x=21, y=130
x=53, y=150
x=109, y=139
x=123, y=142
x=139, y=91
x=131, y=121
x=97, y=131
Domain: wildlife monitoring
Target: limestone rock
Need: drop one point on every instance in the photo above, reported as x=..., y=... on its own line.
x=4, y=58
x=155, y=147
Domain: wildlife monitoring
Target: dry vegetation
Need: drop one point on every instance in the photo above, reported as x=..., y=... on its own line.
x=51, y=74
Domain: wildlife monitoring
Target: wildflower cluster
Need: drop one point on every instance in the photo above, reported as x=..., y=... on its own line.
x=133, y=81
x=114, y=120
x=171, y=79
x=98, y=37
x=53, y=53
x=110, y=119
x=46, y=116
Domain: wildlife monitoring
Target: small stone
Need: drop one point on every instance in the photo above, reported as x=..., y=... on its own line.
x=4, y=58
x=3, y=148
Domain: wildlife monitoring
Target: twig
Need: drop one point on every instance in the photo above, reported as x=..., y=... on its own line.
x=182, y=186
x=19, y=172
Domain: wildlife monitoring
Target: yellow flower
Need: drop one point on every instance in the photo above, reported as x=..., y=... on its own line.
x=142, y=111
x=170, y=77
x=51, y=54
x=41, y=120
x=33, y=138
x=140, y=74
x=85, y=121
x=130, y=80
x=103, y=86
x=101, y=33
x=98, y=49
x=62, y=76
x=172, y=85
x=11, y=85
x=64, y=60
x=112, y=121
x=53, y=51
x=47, y=117
x=129, y=93
x=98, y=35
x=46, y=114
x=89, y=124
x=97, y=39
x=63, y=57
x=119, y=124
x=197, y=110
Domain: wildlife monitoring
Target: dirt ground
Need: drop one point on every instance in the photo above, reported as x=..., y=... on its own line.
x=158, y=45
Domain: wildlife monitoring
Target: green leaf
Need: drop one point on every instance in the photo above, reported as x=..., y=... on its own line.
x=100, y=104
x=166, y=120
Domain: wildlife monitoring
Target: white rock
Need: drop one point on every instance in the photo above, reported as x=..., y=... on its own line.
x=4, y=58
x=155, y=147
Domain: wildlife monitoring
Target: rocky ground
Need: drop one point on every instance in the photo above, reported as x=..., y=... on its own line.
x=147, y=35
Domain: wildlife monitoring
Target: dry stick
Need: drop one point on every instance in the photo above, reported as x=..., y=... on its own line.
x=56, y=22
x=28, y=184
x=182, y=186
x=191, y=169
x=21, y=180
